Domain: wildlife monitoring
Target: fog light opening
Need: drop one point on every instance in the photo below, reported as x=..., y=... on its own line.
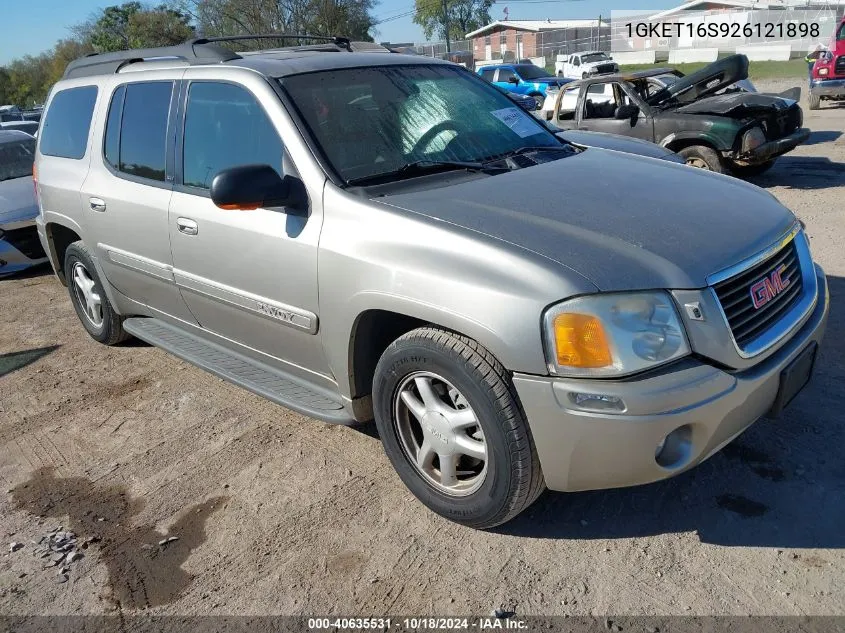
x=674, y=450
x=596, y=401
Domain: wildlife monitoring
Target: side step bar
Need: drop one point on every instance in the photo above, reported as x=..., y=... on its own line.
x=292, y=393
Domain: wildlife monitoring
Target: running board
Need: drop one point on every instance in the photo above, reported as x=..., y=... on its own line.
x=275, y=385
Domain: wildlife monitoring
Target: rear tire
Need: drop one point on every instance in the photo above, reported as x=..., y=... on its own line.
x=703, y=157
x=749, y=171
x=90, y=301
x=814, y=101
x=427, y=384
x=539, y=100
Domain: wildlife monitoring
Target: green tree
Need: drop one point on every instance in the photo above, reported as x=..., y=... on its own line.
x=132, y=25
x=464, y=16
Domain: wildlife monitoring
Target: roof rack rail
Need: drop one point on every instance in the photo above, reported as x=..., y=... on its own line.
x=340, y=42
x=193, y=51
x=201, y=50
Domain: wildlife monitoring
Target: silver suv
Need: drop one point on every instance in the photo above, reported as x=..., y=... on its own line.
x=359, y=235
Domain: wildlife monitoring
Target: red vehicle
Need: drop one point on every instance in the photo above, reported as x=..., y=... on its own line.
x=828, y=81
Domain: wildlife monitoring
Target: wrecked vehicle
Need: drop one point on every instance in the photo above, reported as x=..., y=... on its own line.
x=735, y=132
x=828, y=77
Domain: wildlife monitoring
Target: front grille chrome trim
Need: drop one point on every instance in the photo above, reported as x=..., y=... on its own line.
x=792, y=318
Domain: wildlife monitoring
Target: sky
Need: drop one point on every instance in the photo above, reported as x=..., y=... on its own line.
x=29, y=27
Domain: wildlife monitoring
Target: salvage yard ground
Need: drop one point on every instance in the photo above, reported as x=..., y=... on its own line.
x=278, y=514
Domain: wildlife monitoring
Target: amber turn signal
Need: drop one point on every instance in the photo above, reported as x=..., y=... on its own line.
x=580, y=341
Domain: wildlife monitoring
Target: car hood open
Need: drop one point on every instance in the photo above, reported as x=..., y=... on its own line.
x=622, y=221
x=707, y=81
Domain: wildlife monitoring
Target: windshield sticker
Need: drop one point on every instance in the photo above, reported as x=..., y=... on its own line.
x=518, y=122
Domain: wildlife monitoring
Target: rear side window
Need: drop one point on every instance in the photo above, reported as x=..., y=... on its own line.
x=488, y=73
x=64, y=132
x=136, y=129
x=225, y=127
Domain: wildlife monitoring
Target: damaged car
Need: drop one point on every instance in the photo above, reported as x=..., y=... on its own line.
x=734, y=132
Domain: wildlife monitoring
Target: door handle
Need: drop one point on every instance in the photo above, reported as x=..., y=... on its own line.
x=187, y=226
x=97, y=204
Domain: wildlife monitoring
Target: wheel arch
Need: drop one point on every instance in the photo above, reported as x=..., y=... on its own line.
x=59, y=237
x=677, y=142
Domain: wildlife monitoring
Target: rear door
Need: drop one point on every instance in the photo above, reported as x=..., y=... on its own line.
x=127, y=192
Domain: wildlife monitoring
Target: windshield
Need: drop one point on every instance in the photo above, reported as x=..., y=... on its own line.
x=16, y=158
x=594, y=57
x=530, y=71
x=376, y=120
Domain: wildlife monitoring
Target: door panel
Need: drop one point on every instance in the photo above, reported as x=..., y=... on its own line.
x=597, y=107
x=126, y=196
x=248, y=276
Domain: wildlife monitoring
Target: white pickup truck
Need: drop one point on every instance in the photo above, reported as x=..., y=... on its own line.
x=585, y=64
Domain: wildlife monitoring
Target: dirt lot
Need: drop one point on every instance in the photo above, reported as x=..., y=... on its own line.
x=279, y=514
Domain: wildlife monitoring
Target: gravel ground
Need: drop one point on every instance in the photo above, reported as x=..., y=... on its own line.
x=187, y=495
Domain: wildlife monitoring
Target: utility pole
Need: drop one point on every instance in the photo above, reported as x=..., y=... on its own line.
x=446, y=25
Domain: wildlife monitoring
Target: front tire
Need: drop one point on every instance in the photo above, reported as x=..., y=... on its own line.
x=703, y=157
x=814, y=101
x=452, y=426
x=539, y=100
x=92, y=306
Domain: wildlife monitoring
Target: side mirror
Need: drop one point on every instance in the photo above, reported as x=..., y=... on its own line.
x=627, y=111
x=513, y=80
x=250, y=187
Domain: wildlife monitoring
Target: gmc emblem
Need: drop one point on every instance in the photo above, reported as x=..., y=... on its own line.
x=769, y=287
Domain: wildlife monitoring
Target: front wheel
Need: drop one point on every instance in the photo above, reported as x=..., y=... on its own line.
x=451, y=424
x=814, y=101
x=539, y=100
x=703, y=157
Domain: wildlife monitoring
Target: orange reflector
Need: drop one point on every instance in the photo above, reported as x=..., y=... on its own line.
x=580, y=341
x=245, y=206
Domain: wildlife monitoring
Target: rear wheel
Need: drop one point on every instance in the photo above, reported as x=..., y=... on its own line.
x=749, y=171
x=448, y=416
x=814, y=101
x=583, y=75
x=89, y=299
x=703, y=157
x=539, y=100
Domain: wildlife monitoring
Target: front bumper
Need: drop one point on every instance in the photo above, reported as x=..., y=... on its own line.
x=828, y=88
x=588, y=450
x=773, y=149
x=20, y=247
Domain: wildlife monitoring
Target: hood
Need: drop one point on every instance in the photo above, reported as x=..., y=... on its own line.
x=17, y=200
x=707, y=81
x=622, y=221
x=619, y=143
x=737, y=104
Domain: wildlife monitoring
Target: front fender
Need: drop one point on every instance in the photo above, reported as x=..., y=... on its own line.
x=701, y=138
x=376, y=257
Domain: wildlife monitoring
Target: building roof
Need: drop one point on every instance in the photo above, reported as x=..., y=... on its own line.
x=706, y=5
x=535, y=26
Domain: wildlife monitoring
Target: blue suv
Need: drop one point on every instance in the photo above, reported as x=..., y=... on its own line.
x=525, y=79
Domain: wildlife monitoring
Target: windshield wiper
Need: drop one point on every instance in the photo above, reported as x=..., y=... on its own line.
x=565, y=146
x=419, y=168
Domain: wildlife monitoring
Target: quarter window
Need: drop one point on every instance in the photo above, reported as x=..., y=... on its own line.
x=225, y=127
x=68, y=121
x=111, y=146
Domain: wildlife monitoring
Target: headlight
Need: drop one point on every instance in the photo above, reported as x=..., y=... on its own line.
x=823, y=72
x=752, y=139
x=613, y=334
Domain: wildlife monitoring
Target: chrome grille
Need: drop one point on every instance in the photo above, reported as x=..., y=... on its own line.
x=839, y=69
x=747, y=322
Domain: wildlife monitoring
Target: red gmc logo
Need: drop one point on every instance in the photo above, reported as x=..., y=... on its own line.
x=768, y=288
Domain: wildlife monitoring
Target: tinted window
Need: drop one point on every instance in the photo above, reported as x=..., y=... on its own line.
x=488, y=73
x=16, y=158
x=65, y=129
x=143, y=129
x=111, y=146
x=225, y=127
x=530, y=71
